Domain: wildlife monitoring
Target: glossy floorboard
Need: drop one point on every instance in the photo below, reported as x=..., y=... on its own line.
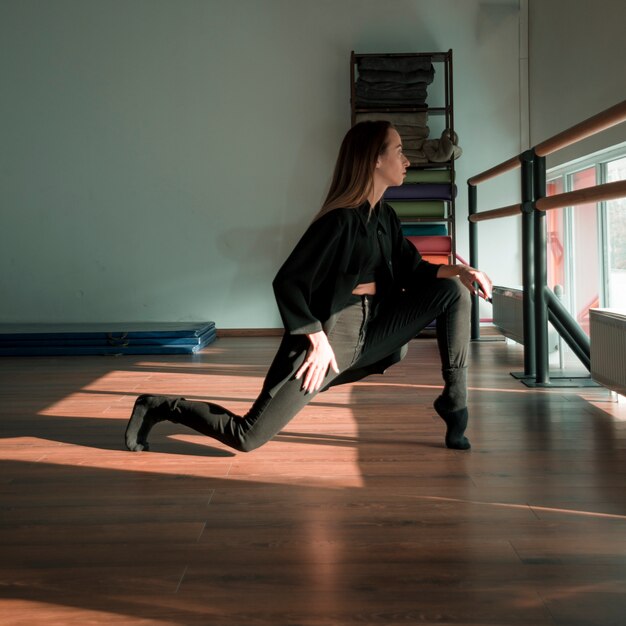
x=355, y=514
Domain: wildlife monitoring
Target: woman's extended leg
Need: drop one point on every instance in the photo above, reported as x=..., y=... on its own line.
x=280, y=400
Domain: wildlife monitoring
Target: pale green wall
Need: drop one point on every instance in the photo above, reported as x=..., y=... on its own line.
x=159, y=158
x=577, y=69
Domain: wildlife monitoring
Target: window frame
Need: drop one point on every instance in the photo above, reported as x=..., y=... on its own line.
x=566, y=172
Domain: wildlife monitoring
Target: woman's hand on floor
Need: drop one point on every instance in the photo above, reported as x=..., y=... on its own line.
x=319, y=358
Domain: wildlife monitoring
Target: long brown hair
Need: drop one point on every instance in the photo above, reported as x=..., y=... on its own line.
x=353, y=177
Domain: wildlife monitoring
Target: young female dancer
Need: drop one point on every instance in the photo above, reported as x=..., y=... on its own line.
x=351, y=295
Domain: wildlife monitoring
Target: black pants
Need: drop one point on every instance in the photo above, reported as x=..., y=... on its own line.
x=358, y=339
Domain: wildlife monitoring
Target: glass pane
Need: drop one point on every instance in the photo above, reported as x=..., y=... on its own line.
x=556, y=237
x=584, y=178
x=616, y=237
x=586, y=253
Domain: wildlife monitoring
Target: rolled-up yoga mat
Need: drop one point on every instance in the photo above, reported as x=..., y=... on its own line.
x=419, y=191
x=437, y=259
x=417, y=208
x=431, y=244
x=428, y=176
x=424, y=229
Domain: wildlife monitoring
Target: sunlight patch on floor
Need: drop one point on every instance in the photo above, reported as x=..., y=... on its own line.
x=37, y=612
x=83, y=405
x=166, y=382
x=196, y=456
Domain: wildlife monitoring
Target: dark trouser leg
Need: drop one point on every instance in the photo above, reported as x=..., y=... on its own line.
x=401, y=316
x=280, y=400
x=404, y=314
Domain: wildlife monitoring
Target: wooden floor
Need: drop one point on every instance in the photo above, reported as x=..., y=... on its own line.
x=355, y=514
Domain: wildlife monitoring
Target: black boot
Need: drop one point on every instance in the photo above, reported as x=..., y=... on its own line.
x=148, y=411
x=451, y=406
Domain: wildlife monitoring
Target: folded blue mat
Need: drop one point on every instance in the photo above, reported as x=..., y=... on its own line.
x=101, y=339
x=13, y=332
x=116, y=339
x=100, y=350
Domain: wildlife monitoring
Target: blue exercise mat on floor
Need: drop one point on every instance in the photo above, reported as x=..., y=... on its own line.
x=112, y=339
x=103, y=331
x=102, y=350
x=102, y=339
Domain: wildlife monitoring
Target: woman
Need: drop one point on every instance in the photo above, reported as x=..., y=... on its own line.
x=351, y=295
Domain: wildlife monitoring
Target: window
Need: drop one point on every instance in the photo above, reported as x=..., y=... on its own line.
x=556, y=238
x=616, y=238
x=587, y=243
x=585, y=261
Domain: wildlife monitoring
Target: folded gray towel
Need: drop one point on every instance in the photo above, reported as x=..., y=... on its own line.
x=412, y=132
x=397, y=119
x=444, y=149
x=389, y=88
x=411, y=144
x=416, y=157
x=441, y=150
x=394, y=63
x=390, y=102
x=391, y=92
x=404, y=78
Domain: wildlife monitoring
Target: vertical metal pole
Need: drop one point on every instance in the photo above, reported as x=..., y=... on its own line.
x=473, y=251
x=542, y=374
x=558, y=292
x=527, y=159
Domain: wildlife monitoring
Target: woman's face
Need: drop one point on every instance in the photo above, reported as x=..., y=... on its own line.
x=391, y=165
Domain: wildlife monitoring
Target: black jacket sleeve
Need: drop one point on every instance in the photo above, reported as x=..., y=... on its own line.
x=298, y=280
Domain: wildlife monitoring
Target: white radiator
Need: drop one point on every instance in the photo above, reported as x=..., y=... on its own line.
x=608, y=348
x=508, y=312
x=508, y=316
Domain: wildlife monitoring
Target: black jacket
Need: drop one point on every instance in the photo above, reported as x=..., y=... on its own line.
x=318, y=277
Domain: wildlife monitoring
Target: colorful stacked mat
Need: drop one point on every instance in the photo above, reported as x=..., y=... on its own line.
x=422, y=204
x=421, y=200
x=435, y=249
x=102, y=339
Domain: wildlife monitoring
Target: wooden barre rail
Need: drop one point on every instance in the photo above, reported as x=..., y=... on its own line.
x=507, y=166
x=595, y=124
x=504, y=211
x=608, y=191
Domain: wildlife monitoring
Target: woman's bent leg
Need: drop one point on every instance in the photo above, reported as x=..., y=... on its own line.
x=404, y=315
